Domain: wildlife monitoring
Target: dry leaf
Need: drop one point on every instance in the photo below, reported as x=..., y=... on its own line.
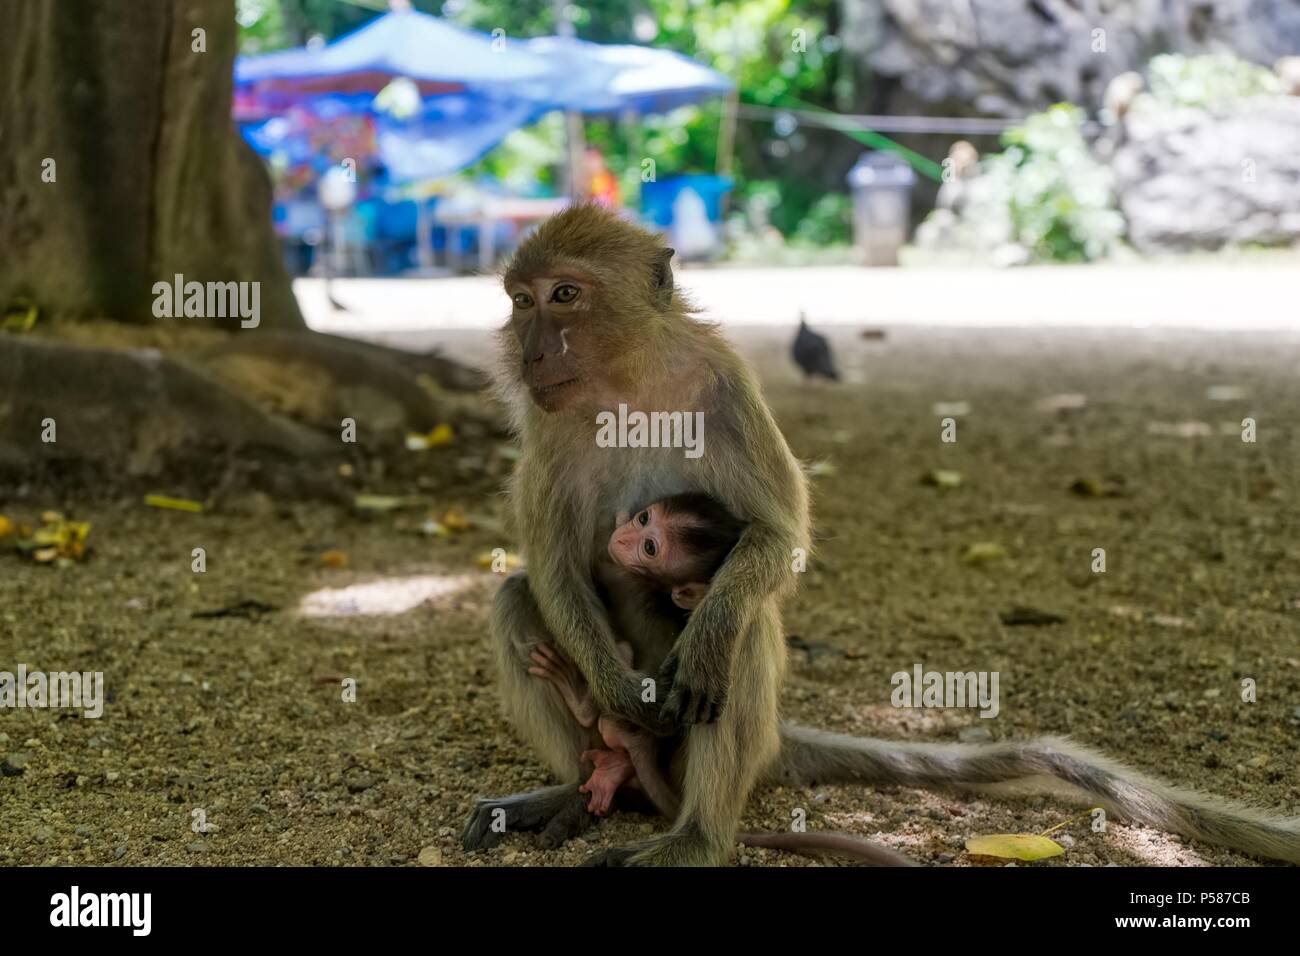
x=939, y=478
x=334, y=559
x=1014, y=846
x=172, y=504
x=982, y=552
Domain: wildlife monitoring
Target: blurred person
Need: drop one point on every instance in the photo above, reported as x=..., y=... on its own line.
x=602, y=185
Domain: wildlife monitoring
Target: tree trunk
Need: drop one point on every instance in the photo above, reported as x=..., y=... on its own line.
x=120, y=166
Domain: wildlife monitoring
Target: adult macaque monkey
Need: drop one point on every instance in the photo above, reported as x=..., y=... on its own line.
x=597, y=322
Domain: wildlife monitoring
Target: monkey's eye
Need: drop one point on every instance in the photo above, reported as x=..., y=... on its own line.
x=643, y=518
x=523, y=300
x=649, y=548
x=565, y=293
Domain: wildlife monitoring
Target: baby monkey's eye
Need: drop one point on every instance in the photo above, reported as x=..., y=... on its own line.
x=523, y=300
x=643, y=518
x=649, y=547
x=564, y=293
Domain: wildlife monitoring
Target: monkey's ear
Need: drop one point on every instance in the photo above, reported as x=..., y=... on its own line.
x=663, y=277
x=687, y=596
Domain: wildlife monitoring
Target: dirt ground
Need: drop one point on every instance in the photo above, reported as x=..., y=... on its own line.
x=242, y=718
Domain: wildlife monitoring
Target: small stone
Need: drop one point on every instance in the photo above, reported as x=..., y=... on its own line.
x=119, y=852
x=946, y=857
x=972, y=735
x=430, y=856
x=15, y=764
x=260, y=808
x=357, y=782
x=82, y=831
x=198, y=846
x=111, y=775
x=44, y=834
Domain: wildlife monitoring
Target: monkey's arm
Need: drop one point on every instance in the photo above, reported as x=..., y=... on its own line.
x=580, y=626
x=753, y=472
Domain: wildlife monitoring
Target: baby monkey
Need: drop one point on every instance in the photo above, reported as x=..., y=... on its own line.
x=666, y=553
x=669, y=551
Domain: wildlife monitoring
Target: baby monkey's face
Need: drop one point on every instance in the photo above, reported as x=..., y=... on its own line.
x=648, y=544
x=645, y=542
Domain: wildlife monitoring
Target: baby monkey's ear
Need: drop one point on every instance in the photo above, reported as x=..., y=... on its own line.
x=687, y=596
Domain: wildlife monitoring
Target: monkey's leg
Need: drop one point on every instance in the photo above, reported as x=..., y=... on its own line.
x=542, y=719
x=722, y=760
x=537, y=712
x=812, y=755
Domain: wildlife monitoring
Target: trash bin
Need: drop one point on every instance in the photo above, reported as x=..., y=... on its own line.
x=881, y=184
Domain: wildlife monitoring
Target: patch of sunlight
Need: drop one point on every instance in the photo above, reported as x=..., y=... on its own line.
x=383, y=597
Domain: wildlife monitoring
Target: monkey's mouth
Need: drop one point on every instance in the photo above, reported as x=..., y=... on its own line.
x=548, y=391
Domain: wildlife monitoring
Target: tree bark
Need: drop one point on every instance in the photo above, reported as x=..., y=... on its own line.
x=128, y=108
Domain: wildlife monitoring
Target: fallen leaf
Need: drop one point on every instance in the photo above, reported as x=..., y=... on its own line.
x=953, y=409
x=172, y=504
x=1014, y=846
x=939, y=478
x=982, y=552
x=1091, y=487
x=485, y=560
x=378, y=504
x=248, y=608
x=440, y=435
x=454, y=520
x=1024, y=616
x=1063, y=402
x=1180, y=429
x=334, y=558
x=1227, y=393
x=6, y=527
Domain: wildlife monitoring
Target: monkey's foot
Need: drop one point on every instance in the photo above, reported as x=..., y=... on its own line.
x=559, y=812
x=679, y=848
x=613, y=769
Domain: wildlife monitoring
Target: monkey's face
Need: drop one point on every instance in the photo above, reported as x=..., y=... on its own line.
x=548, y=318
x=646, y=544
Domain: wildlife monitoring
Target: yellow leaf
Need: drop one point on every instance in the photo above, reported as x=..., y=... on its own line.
x=983, y=552
x=6, y=527
x=1014, y=846
x=334, y=559
x=442, y=435
x=485, y=560
x=172, y=504
x=453, y=520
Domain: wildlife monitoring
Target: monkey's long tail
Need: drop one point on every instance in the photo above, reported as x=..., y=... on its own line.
x=814, y=756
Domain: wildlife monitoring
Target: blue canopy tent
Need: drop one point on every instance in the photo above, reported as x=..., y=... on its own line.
x=472, y=89
x=475, y=88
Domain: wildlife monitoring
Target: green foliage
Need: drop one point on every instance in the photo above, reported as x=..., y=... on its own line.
x=1043, y=199
x=1058, y=197
x=828, y=222
x=1206, y=81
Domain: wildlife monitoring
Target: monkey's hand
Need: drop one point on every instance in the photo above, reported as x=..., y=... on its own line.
x=695, y=691
x=631, y=700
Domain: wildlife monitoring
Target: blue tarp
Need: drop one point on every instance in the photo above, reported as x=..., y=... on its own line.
x=403, y=43
x=484, y=87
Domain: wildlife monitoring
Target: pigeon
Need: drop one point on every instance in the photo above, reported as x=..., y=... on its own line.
x=812, y=353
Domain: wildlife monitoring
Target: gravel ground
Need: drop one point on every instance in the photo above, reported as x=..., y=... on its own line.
x=241, y=722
